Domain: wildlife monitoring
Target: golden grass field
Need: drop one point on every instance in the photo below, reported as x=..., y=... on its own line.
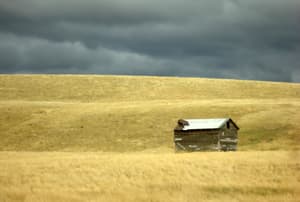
x=109, y=138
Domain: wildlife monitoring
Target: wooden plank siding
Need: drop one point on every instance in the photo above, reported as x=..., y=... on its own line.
x=196, y=140
x=229, y=137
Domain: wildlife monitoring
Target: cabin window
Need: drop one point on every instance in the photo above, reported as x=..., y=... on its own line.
x=228, y=125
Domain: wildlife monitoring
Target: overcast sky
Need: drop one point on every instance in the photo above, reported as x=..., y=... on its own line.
x=247, y=39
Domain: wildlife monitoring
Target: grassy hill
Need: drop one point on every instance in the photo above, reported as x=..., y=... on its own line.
x=127, y=114
x=125, y=126
x=94, y=88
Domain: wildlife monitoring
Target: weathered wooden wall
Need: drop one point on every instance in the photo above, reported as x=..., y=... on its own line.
x=196, y=140
x=229, y=138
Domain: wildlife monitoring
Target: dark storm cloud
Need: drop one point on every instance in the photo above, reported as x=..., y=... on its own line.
x=213, y=38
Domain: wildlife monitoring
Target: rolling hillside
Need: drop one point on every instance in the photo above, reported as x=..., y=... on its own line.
x=94, y=88
x=128, y=114
x=109, y=138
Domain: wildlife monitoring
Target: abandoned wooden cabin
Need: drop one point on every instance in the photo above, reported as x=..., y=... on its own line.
x=206, y=134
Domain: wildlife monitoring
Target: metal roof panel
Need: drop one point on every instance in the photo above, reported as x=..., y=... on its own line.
x=194, y=124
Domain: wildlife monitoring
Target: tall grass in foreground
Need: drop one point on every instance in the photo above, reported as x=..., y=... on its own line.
x=209, y=176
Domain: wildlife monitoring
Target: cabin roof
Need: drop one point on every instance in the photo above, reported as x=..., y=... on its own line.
x=199, y=124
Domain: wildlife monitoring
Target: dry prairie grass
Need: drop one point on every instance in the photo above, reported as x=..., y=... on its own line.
x=111, y=138
x=210, y=176
x=122, y=113
x=141, y=125
x=95, y=88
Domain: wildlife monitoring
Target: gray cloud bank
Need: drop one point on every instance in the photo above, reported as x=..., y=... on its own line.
x=248, y=39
